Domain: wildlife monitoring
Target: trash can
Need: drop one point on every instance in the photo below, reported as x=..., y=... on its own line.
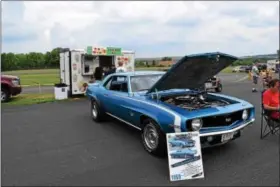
x=60, y=91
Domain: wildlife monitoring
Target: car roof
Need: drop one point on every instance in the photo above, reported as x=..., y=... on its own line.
x=139, y=73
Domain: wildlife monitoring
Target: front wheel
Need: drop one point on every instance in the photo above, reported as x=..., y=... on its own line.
x=5, y=95
x=153, y=139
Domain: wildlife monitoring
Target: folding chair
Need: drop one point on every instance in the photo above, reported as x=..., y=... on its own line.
x=268, y=124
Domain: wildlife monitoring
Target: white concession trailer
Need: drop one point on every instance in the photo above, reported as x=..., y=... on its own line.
x=78, y=66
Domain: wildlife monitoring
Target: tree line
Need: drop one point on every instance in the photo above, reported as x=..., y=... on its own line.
x=32, y=60
x=50, y=59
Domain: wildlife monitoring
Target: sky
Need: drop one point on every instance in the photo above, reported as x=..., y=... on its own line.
x=151, y=29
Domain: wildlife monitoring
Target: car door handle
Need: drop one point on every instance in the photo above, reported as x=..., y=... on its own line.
x=106, y=95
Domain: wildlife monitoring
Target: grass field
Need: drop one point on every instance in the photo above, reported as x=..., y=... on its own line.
x=51, y=76
x=35, y=77
x=30, y=99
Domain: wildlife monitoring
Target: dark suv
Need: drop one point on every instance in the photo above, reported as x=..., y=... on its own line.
x=10, y=86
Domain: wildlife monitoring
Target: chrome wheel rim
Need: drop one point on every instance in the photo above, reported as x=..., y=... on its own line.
x=151, y=137
x=3, y=96
x=94, y=110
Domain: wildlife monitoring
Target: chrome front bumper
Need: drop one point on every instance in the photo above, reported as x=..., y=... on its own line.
x=216, y=137
x=228, y=131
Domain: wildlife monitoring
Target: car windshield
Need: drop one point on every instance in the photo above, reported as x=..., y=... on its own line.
x=143, y=82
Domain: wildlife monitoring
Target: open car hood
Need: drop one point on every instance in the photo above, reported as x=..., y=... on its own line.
x=191, y=72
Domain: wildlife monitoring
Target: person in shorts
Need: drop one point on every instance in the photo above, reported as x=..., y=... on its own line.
x=255, y=76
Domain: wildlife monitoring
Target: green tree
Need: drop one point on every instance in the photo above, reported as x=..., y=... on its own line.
x=166, y=59
x=154, y=63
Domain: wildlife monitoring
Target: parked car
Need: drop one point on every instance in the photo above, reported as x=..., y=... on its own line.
x=248, y=69
x=214, y=83
x=157, y=103
x=236, y=69
x=243, y=68
x=10, y=86
x=185, y=153
x=181, y=143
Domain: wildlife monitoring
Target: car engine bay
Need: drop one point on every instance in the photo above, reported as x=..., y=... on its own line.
x=194, y=101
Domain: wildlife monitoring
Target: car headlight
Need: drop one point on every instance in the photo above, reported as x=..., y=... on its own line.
x=196, y=124
x=15, y=82
x=245, y=114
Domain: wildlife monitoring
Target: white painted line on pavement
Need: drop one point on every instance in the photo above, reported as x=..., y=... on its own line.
x=242, y=79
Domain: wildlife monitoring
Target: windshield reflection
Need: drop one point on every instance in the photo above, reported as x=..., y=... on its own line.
x=143, y=82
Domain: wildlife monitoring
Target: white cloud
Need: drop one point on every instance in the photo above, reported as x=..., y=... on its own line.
x=151, y=28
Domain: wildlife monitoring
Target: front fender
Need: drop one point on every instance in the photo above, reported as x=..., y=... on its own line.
x=92, y=96
x=162, y=118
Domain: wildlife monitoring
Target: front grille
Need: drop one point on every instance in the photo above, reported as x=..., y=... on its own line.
x=222, y=120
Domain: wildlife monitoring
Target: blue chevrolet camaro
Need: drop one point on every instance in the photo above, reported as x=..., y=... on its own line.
x=181, y=143
x=157, y=103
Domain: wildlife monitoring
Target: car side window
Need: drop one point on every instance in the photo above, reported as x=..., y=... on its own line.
x=119, y=83
x=107, y=84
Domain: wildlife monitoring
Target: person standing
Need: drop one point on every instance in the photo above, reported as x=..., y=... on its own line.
x=98, y=73
x=255, y=75
x=121, y=68
x=110, y=70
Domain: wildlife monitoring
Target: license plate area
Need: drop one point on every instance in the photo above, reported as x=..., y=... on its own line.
x=227, y=137
x=208, y=85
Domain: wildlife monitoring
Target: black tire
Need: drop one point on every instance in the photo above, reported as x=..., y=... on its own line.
x=5, y=95
x=219, y=88
x=160, y=149
x=99, y=114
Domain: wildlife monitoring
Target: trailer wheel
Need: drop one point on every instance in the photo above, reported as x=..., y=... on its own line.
x=97, y=114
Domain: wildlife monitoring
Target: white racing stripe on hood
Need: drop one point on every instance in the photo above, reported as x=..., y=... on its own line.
x=177, y=118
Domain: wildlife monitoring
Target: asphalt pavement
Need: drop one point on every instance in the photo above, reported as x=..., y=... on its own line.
x=58, y=144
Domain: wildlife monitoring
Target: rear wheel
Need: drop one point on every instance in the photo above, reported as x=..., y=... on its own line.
x=97, y=114
x=5, y=95
x=153, y=139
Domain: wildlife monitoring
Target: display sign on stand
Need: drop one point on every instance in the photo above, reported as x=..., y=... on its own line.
x=184, y=156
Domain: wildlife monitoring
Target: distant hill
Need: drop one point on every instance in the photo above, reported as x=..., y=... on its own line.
x=176, y=58
x=267, y=56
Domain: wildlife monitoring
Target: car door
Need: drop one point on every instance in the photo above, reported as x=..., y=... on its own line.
x=117, y=94
x=104, y=97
